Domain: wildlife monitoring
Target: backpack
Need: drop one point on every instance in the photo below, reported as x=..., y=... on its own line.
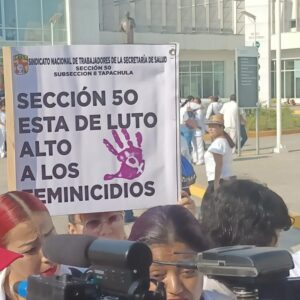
x=191, y=122
x=188, y=175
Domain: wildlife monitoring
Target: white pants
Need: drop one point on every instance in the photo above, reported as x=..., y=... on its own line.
x=198, y=150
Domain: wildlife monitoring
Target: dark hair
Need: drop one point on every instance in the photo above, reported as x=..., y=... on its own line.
x=243, y=212
x=187, y=100
x=166, y=224
x=71, y=219
x=232, y=97
x=198, y=99
x=214, y=98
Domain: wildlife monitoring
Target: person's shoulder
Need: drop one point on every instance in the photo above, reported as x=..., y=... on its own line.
x=214, y=295
x=218, y=146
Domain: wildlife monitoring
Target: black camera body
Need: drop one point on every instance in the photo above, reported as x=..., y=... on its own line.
x=65, y=287
x=119, y=270
x=114, y=270
x=249, y=271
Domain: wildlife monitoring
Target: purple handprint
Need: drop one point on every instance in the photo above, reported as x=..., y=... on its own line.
x=131, y=158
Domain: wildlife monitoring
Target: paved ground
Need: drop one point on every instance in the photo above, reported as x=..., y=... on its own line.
x=281, y=172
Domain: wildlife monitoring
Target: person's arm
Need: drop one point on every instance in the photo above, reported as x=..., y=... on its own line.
x=218, y=168
x=209, y=111
x=243, y=117
x=187, y=202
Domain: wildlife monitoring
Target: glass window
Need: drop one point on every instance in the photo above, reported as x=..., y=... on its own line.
x=218, y=66
x=207, y=66
x=289, y=65
x=184, y=66
x=1, y=23
x=109, y=22
x=298, y=87
x=54, y=11
x=184, y=85
x=171, y=10
x=196, y=66
x=273, y=85
x=186, y=15
x=200, y=16
x=10, y=20
x=201, y=78
x=218, y=84
x=29, y=14
x=289, y=84
x=273, y=65
x=196, y=85
x=123, y=8
x=140, y=16
x=214, y=20
x=207, y=85
x=297, y=64
x=156, y=15
x=228, y=17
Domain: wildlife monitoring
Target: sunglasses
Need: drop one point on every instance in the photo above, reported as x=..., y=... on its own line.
x=99, y=222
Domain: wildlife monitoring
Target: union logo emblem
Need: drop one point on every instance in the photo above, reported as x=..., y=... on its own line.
x=21, y=65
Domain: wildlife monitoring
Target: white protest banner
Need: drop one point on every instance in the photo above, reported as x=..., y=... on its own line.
x=95, y=127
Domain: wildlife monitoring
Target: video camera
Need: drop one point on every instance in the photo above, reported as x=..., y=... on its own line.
x=115, y=270
x=251, y=272
x=119, y=270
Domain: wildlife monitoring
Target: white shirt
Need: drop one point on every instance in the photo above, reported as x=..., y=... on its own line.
x=213, y=109
x=230, y=112
x=215, y=286
x=182, y=113
x=218, y=146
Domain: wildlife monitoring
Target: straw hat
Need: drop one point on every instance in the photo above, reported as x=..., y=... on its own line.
x=216, y=119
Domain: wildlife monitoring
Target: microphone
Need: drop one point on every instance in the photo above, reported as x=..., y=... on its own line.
x=86, y=251
x=20, y=288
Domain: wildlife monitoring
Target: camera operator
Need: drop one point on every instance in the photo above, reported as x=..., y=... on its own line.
x=173, y=234
x=243, y=212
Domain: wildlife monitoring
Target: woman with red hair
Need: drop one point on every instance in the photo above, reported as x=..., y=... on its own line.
x=24, y=222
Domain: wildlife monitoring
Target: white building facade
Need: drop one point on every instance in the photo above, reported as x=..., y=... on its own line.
x=208, y=31
x=265, y=13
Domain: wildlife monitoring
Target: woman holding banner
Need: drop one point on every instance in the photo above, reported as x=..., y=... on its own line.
x=24, y=222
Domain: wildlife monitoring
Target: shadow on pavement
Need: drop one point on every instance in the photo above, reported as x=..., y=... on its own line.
x=295, y=150
x=250, y=158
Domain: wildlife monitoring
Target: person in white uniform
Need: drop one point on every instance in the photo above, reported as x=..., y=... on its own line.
x=230, y=111
x=197, y=143
x=214, y=107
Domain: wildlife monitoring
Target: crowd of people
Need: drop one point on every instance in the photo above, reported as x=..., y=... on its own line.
x=238, y=212
x=233, y=212
x=221, y=122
